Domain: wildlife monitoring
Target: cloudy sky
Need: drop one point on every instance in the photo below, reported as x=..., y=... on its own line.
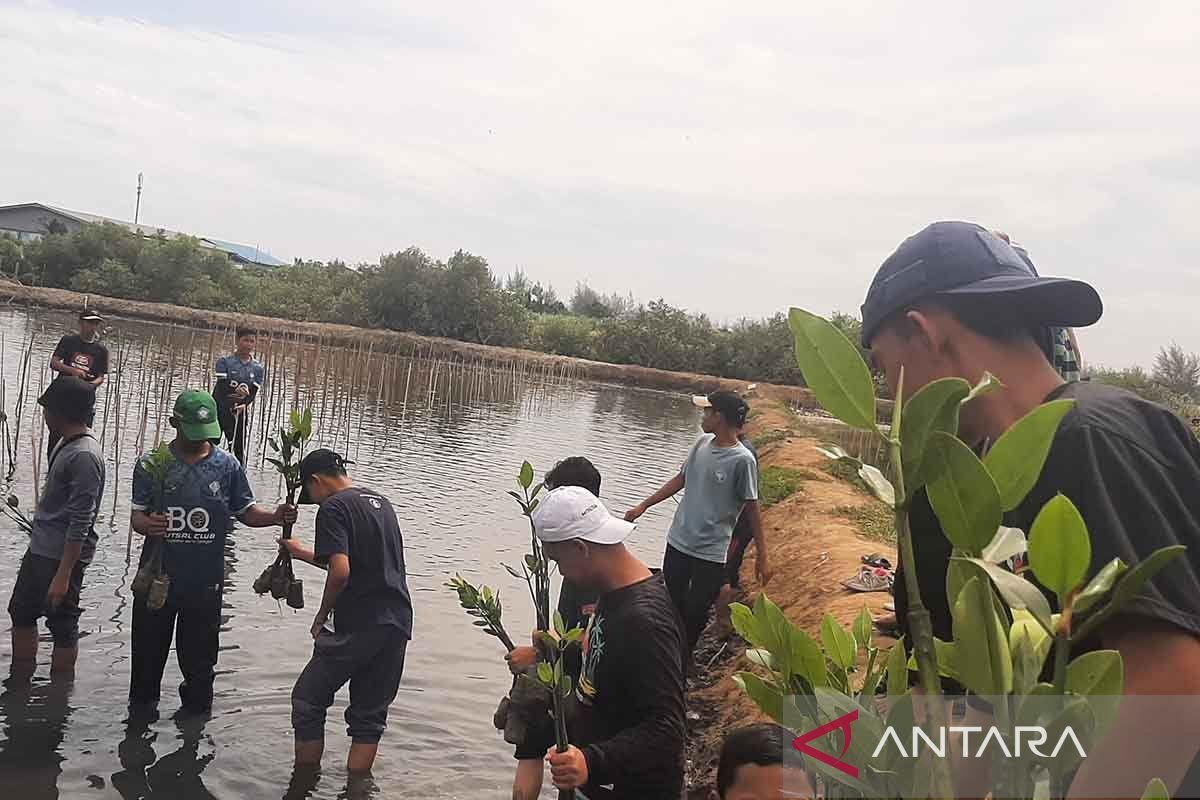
x=732, y=161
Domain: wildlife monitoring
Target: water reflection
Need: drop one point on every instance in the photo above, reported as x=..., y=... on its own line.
x=176, y=775
x=306, y=780
x=35, y=720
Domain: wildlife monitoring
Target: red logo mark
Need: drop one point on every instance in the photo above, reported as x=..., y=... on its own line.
x=842, y=723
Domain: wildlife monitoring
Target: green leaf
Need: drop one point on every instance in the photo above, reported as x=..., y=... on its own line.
x=1059, y=549
x=545, y=673
x=946, y=654
x=761, y=657
x=871, y=679
x=1017, y=457
x=525, y=478
x=834, y=370
x=306, y=423
x=274, y=445
x=536, y=491
x=897, y=670
x=1156, y=790
x=1099, y=586
x=863, y=626
x=964, y=496
x=746, y=624
x=766, y=696
x=1030, y=645
x=564, y=686
x=985, y=663
x=294, y=418
x=560, y=627
x=933, y=408
x=880, y=486
x=1100, y=677
x=1008, y=542
x=1016, y=591
x=987, y=384
x=839, y=645
x=806, y=658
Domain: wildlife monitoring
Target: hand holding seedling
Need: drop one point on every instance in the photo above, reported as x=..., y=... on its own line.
x=568, y=769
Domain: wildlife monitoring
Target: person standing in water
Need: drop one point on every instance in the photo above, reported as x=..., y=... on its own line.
x=80, y=355
x=63, y=538
x=204, y=488
x=239, y=377
x=722, y=481
x=362, y=629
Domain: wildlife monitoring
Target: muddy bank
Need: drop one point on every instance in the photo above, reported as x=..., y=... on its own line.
x=815, y=539
x=400, y=342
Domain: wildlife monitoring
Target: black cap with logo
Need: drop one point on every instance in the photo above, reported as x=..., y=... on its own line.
x=319, y=460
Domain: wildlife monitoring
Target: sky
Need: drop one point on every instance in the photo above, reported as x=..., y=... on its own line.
x=734, y=159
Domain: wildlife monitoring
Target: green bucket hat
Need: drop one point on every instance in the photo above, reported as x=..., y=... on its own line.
x=196, y=416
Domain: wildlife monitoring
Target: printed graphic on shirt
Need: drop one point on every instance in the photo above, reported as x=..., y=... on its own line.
x=593, y=651
x=82, y=361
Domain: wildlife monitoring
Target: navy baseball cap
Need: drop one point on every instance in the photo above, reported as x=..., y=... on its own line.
x=967, y=260
x=320, y=460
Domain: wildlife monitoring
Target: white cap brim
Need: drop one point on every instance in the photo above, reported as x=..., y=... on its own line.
x=614, y=531
x=700, y=401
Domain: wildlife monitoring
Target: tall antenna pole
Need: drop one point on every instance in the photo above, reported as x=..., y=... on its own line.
x=137, y=209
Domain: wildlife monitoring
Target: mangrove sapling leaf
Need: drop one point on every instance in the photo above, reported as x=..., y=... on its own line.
x=746, y=624
x=1099, y=586
x=867, y=731
x=833, y=370
x=981, y=636
x=933, y=408
x=1027, y=665
x=1017, y=457
x=872, y=676
x=1126, y=588
x=964, y=496
x=1156, y=790
x=1006, y=544
x=545, y=673
x=1059, y=549
x=897, y=670
x=839, y=644
x=806, y=658
x=760, y=657
x=525, y=477
x=1100, y=677
x=1017, y=592
x=880, y=486
x=987, y=384
x=1077, y=715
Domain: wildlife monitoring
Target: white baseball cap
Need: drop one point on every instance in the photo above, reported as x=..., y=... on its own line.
x=572, y=512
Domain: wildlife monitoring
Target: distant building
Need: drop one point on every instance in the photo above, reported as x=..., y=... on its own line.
x=28, y=222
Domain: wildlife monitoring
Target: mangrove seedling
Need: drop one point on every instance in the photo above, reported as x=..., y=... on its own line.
x=289, y=444
x=1004, y=630
x=550, y=674
x=483, y=604
x=151, y=578
x=535, y=569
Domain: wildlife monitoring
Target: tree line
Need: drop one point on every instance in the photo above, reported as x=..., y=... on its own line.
x=462, y=298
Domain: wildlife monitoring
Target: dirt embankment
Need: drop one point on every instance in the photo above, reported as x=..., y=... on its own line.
x=399, y=341
x=815, y=540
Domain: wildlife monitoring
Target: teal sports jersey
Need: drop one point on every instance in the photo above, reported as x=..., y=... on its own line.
x=249, y=374
x=199, y=500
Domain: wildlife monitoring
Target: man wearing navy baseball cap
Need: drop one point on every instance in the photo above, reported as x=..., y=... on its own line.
x=956, y=300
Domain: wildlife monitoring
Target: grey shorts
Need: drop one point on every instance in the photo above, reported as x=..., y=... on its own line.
x=28, y=602
x=371, y=660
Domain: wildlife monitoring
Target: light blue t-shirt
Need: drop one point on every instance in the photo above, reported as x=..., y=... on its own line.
x=717, y=481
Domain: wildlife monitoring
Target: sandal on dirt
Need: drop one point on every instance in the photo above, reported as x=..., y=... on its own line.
x=870, y=579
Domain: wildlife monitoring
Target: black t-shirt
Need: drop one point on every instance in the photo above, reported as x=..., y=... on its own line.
x=1133, y=470
x=632, y=687
x=362, y=526
x=92, y=357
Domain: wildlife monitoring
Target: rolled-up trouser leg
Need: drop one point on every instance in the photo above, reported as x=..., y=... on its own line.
x=373, y=688
x=331, y=665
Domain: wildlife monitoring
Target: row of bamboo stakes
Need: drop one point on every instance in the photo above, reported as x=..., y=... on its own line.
x=345, y=386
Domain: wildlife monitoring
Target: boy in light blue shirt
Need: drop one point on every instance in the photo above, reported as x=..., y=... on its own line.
x=721, y=476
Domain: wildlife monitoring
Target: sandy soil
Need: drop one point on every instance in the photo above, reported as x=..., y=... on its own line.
x=813, y=548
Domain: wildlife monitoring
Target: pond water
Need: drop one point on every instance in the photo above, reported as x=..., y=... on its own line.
x=443, y=441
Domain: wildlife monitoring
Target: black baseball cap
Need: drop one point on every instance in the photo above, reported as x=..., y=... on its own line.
x=90, y=316
x=319, y=460
x=967, y=260
x=729, y=405
x=70, y=397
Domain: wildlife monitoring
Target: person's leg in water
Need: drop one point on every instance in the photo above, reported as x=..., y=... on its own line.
x=151, y=645
x=63, y=623
x=328, y=670
x=197, y=641
x=372, y=690
x=240, y=421
x=527, y=784
x=24, y=609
